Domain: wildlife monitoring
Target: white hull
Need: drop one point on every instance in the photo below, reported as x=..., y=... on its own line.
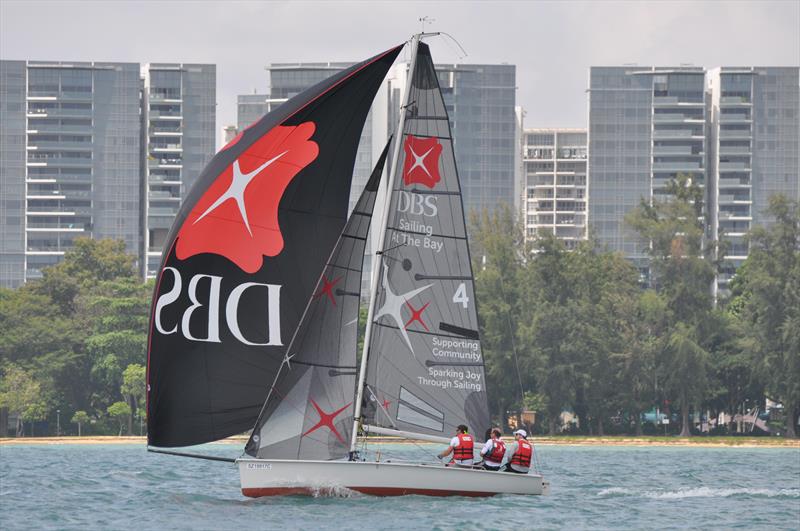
x=274, y=477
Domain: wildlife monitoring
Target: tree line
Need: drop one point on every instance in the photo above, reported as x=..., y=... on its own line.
x=579, y=330
x=73, y=344
x=585, y=331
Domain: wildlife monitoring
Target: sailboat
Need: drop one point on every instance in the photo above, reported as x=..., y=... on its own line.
x=260, y=287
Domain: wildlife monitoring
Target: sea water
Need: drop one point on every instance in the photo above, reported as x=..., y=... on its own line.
x=99, y=487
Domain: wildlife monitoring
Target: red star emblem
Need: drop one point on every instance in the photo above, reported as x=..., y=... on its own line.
x=422, y=161
x=326, y=419
x=416, y=315
x=386, y=404
x=327, y=288
x=237, y=215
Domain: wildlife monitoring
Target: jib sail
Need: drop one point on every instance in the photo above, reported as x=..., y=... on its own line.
x=309, y=413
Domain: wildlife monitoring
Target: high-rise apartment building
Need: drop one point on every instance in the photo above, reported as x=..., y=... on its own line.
x=70, y=160
x=251, y=107
x=95, y=149
x=179, y=117
x=755, y=152
x=554, y=183
x=736, y=130
x=646, y=125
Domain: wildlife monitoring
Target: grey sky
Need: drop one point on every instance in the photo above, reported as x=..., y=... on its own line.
x=552, y=43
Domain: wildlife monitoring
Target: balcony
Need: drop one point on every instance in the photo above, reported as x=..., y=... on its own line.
x=734, y=150
x=60, y=161
x=166, y=115
x=51, y=144
x=734, y=199
x=165, y=163
x=734, y=101
x=664, y=134
x=677, y=166
x=735, y=134
x=59, y=113
x=165, y=131
x=735, y=119
x=161, y=147
x=732, y=183
x=670, y=101
x=162, y=195
x=55, y=127
x=734, y=166
x=676, y=118
x=739, y=215
x=673, y=150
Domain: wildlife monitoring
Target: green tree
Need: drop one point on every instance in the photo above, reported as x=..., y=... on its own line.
x=642, y=329
x=88, y=261
x=120, y=411
x=767, y=297
x=496, y=242
x=133, y=389
x=547, y=319
x=682, y=273
x=22, y=394
x=80, y=418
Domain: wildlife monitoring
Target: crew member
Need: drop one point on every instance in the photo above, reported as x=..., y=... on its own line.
x=493, y=451
x=461, y=446
x=521, y=453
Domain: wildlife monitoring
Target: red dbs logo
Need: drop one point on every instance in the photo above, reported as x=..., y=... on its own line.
x=422, y=161
x=237, y=217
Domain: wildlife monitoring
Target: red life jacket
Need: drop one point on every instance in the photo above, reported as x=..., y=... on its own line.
x=463, y=451
x=497, y=453
x=522, y=457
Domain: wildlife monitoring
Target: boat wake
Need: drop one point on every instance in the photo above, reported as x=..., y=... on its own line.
x=700, y=492
x=333, y=491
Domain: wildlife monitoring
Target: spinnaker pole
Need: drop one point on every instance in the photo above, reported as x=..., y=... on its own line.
x=376, y=266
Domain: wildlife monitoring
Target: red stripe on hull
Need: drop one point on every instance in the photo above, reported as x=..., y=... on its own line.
x=373, y=491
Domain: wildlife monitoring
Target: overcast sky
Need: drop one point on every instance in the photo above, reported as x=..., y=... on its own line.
x=551, y=43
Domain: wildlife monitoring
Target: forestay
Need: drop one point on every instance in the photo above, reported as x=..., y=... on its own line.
x=309, y=413
x=425, y=369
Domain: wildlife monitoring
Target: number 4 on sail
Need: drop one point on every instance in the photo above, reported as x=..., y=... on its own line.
x=264, y=228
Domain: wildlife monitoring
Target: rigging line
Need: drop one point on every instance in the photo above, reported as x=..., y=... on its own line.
x=196, y=456
x=537, y=465
x=513, y=344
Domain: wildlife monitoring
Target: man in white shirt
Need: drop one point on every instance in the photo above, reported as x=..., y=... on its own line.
x=493, y=451
x=461, y=446
x=520, y=454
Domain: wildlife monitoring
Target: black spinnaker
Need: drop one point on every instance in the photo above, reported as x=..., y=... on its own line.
x=244, y=255
x=309, y=413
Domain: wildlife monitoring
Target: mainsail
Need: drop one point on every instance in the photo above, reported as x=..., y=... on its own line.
x=425, y=368
x=245, y=253
x=309, y=413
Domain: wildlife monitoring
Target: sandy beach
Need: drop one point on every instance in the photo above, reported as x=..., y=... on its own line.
x=738, y=442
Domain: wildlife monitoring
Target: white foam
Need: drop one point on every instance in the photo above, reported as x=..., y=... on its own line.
x=700, y=492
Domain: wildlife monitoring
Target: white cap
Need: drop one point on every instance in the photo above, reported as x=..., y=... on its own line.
x=521, y=432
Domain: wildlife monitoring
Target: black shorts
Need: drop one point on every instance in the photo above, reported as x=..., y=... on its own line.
x=490, y=467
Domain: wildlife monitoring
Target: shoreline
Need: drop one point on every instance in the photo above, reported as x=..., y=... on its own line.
x=698, y=442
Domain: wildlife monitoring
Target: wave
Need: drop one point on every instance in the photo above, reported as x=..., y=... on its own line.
x=700, y=492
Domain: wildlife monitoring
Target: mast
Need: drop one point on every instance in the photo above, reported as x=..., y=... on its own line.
x=376, y=267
